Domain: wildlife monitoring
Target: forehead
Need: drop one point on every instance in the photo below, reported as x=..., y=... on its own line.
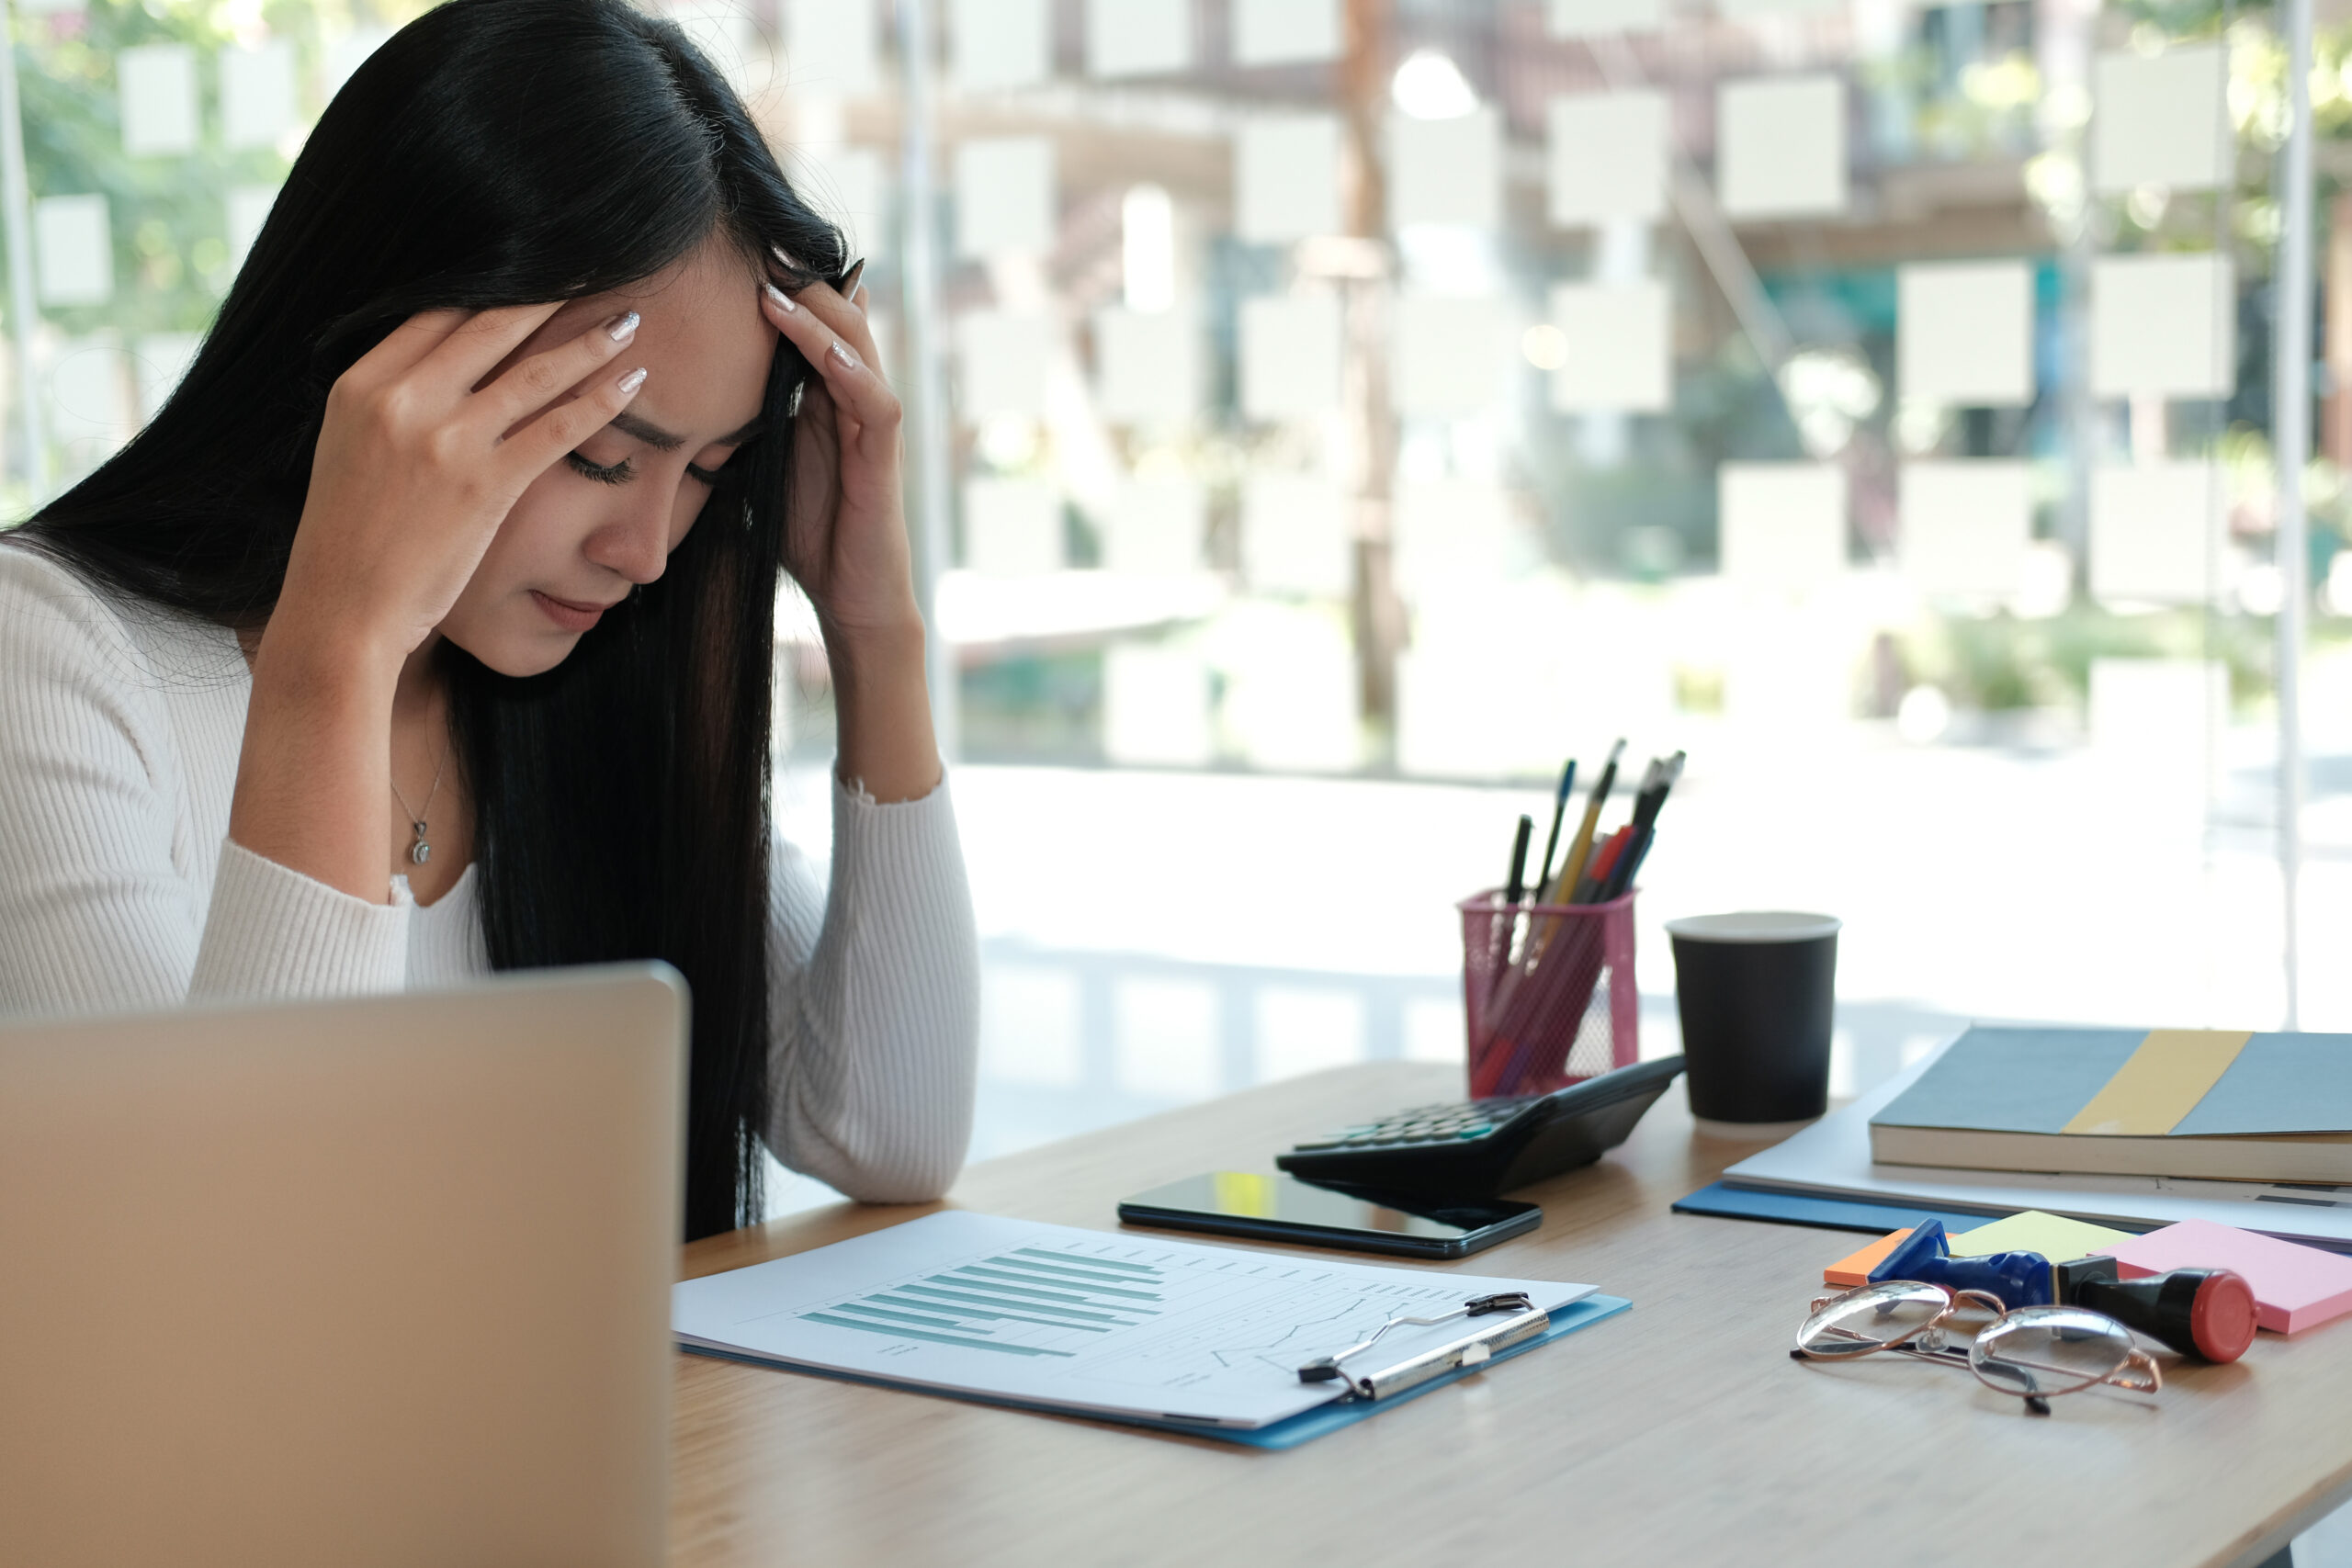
x=702, y=338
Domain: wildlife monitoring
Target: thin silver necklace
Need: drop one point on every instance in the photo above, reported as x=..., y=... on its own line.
x=422, y=851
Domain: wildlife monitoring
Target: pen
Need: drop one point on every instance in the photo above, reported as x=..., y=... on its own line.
x=1559, y=810
x=1502, y=937
x=1620, y=880
x=1581, y=851
x=1517, y=888
x=1604, y=860
x=1656, y=788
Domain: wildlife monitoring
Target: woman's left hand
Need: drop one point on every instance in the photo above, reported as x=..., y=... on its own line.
x=845, y=542
x=845, y=539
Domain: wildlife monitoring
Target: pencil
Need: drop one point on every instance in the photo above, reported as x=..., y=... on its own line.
x=1581, y=850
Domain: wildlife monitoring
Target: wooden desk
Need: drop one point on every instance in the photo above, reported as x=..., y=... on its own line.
x=1680, y=1433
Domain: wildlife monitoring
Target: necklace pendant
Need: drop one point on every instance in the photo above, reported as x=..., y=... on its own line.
x=421, y=852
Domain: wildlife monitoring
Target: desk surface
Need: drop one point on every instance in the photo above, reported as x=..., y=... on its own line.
x=1680, y=1433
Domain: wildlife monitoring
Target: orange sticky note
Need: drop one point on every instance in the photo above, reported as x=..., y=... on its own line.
x=1855, y=1269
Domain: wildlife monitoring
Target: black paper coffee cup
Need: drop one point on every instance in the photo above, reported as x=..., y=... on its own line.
x=1758, y=993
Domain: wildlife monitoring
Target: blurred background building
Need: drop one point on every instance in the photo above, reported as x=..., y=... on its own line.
x=1328, y=416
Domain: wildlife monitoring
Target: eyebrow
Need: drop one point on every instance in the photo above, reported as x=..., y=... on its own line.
x=661, y=440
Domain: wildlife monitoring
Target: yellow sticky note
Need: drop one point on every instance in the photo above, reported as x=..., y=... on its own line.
x=2058, y=1240
x=1855, y=1267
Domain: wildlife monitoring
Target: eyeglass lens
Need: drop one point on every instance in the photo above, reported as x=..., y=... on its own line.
x=1875, y=1318
x=2039, y=1351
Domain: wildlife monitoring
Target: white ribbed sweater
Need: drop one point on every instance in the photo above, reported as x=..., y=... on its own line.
x=119, y=889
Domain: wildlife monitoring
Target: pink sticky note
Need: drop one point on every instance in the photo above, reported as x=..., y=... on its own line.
x=2294, y=1286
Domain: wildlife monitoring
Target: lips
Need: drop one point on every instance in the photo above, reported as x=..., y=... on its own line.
x=571, y=614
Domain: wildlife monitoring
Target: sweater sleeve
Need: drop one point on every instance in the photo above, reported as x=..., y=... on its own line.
x=99, y=908
x=873, y=999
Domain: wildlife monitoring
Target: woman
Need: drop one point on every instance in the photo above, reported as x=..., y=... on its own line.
x=426, y=630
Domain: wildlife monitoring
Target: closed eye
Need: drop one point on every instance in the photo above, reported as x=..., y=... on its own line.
x=619, y=473
x=706, y=476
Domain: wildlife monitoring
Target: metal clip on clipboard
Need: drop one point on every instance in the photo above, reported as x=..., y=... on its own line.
x=1480, y=1345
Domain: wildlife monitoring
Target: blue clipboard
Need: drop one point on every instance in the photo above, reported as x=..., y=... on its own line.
x=1305, y=1426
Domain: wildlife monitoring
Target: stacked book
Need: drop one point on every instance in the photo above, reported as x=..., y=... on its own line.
x=2205, y=1104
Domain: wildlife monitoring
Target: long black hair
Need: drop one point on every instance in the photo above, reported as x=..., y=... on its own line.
x=498, y=152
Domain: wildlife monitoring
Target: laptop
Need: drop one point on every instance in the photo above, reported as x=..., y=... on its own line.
x=371, y=1282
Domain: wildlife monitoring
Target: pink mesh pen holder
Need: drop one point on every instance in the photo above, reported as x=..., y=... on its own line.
x=1549, y=990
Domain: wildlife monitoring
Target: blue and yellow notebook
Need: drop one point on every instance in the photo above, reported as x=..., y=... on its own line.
x=2213, y=1104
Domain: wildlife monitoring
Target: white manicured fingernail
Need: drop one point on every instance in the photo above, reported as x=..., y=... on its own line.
x=633, y=380
x=841, y=351
x=783, y=300
x=622, y=327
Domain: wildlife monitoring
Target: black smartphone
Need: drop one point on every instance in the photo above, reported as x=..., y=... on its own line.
x=1270, y=1207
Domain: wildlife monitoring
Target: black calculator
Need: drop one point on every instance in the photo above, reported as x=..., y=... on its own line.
x=1476, y=1148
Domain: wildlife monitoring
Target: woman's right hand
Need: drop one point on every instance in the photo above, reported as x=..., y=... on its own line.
x=419, y=460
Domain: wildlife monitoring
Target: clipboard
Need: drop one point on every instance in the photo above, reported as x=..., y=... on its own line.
x=1304, y=1428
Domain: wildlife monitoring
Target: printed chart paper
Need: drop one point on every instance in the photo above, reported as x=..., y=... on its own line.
x=1083, y=1320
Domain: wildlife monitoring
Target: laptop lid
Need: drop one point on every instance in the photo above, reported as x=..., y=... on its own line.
x=382, y=1282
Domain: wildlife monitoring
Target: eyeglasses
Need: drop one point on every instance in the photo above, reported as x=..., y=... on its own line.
x=2035, y=1352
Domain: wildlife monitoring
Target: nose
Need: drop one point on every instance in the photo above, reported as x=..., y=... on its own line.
x=634, y=541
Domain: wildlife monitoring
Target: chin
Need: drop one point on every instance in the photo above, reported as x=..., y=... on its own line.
x=517, y=655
